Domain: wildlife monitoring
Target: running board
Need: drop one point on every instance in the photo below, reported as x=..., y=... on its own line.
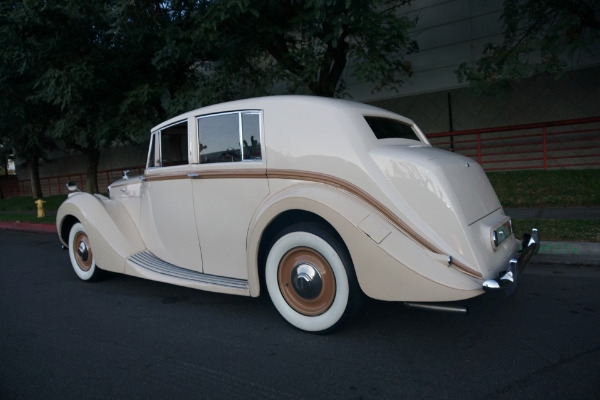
x=147, y=261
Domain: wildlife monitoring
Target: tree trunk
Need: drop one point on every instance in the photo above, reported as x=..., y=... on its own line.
x=93, y=158
x=34, y=176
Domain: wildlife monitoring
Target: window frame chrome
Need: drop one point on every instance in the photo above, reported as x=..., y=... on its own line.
x=239, y=113
x=156, y=139
x=260, y=133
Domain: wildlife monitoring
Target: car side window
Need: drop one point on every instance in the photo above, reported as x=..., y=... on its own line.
x=168, y=146
x=387, y=128
x=229, y=137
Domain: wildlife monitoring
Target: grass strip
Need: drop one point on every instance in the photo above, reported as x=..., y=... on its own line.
x=556, y=188
x=26, y=203
x=28, y=218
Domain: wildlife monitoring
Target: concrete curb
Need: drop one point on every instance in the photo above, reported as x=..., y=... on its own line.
x=569, y=253
x=27, y=227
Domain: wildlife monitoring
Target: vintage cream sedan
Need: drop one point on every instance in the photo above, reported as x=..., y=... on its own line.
x=317, y=201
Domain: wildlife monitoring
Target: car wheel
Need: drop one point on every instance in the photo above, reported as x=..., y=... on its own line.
x=80, y=252
x=310, y=278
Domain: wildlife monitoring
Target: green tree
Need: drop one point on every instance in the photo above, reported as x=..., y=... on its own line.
x=90, y=75
x=308, y=44
x=539, y=37
x=24, y=121
x=85, y=76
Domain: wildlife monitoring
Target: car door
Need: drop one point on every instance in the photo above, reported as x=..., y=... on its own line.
x=168, y=224
x=228, y=183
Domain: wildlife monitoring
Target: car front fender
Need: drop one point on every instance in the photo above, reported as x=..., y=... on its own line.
x=112, y=233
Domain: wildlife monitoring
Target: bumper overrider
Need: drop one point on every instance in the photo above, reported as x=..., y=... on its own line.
x=507, y=280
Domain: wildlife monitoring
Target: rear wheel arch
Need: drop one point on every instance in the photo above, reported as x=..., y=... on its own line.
x=281, y=222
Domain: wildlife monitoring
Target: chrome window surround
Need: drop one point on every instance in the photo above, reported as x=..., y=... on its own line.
x=239, y=113
x=156, y=142
x=152, y=150
x=245, y=113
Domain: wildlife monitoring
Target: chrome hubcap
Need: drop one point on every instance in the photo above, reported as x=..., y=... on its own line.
x=82, y=251
x=307, y=281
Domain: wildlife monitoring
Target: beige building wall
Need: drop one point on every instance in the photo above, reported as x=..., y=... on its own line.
x=575, y=95
x=451, y=32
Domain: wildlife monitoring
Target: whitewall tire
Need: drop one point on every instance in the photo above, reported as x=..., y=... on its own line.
x=310, y=278
x=80, y=253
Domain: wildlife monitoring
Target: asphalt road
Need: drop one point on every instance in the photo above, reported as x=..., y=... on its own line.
x=128, y=338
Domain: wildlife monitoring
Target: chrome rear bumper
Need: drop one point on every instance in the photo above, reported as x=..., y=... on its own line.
x=507, y=280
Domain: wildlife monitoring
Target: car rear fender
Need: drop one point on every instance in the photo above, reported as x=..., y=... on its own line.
x=112, y=233
x=396, y=275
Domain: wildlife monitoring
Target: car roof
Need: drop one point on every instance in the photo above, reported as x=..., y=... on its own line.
x=294, y=103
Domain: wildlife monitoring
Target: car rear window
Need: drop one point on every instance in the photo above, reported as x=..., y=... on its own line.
x=387, y=128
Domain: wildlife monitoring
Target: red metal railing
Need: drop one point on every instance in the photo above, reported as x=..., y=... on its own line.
x=558, y=144
x=53, y=185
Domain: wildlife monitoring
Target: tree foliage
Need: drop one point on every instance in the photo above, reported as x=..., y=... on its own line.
x=308, y=44
x=539, y=37
x=80, y=74
x=87, y=75
x=24, y=120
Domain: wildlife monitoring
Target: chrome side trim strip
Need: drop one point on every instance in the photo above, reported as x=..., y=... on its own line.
x=145, y=260
x=210, y=174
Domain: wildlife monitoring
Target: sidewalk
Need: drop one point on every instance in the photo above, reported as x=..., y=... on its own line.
x=568, y=253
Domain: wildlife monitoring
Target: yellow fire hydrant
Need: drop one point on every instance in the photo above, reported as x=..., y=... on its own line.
x=40, y=208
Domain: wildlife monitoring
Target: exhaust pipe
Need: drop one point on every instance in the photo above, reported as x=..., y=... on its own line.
x=438, y=307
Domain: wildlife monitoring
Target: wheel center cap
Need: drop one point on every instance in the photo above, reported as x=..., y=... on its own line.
x=82, y=251
x=306, y=281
